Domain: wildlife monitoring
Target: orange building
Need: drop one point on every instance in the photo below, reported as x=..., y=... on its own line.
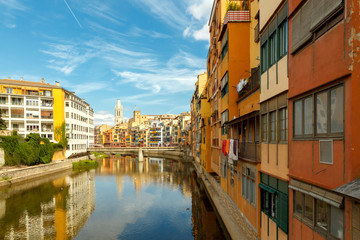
x=324, y=119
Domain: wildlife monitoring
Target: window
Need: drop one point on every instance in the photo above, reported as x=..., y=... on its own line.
x=272, y=49
x=283, y=116
x=330, y=111
x=311, y=17
x=327, y=219
x=264, y=128
x=224, y=119
x=9, y=90
x=303, y=117
x=282, y=39
x=274, y=200
x=66, y=104
x=264, y=57
x=224, y=50
x=248, y=185
x=67, y=114
x=225, y=84
x=272, y=125
x=3, y=100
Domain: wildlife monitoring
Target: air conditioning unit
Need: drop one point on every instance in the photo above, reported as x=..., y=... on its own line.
x=326, y=151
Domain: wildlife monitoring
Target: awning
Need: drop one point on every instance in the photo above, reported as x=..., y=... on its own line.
x=239, y=119
x=316, y=192
x=351, y=189
x=266, y=188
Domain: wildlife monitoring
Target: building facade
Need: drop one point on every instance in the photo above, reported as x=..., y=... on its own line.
x=79, y=120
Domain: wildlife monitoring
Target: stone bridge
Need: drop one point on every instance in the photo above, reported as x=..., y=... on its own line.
x=175, y=153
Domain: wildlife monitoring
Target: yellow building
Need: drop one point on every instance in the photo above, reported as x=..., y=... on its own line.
x=204, y=124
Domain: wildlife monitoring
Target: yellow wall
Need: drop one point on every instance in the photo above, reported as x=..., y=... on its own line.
x=268, y=8
x=254, y=47
x=275, y=88
x=59, y=108
x=58, y=155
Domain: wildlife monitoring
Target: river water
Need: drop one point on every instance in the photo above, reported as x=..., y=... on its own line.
x=122, y=199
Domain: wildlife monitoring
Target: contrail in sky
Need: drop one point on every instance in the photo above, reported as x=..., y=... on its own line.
x=72, y=13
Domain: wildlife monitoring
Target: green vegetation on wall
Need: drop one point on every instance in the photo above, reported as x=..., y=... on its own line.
x=60, y=135
x=32, y=150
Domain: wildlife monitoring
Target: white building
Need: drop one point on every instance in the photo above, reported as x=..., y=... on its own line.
x=119, y=118
x=79, y=119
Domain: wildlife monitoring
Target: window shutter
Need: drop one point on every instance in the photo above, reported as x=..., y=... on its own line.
x=225, y=39
x=272, y=26
x=283, y=13
x=263, y=37
x=321, y=9
x=282, y=211
x=301, y=25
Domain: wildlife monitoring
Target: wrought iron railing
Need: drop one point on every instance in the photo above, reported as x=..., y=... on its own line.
x=253, y=83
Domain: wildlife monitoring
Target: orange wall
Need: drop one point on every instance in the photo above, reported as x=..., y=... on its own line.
x=249, y=104
x=239, y=61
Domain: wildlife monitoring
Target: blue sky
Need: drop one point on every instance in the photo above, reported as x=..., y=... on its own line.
x=147, y=53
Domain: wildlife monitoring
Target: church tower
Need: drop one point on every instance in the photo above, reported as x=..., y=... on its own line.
x=118, y=113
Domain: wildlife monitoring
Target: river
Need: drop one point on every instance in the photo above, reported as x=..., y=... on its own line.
x=121, y=199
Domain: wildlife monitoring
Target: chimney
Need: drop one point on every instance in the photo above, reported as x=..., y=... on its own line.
x=21, y=79
x=57, y=83
x=42, y=80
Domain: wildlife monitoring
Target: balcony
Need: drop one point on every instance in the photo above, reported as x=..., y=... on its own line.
x=249, y=151
x=252, y=84
x=238, y=11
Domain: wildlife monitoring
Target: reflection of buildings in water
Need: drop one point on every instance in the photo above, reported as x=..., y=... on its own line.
x=2, y=208
x=55, y=210
x=168, y=173
x=157, y=161
x=205, y=224
x=119, y=185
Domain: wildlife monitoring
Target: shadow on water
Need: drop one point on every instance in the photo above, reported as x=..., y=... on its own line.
x=154, y=199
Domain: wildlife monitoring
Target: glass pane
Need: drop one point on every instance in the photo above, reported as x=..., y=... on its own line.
x=337, y=222
x=321, y=113
x=309, y=207
x=299, y=198
x=337, y=110
x=298, y=117
x=273, y=202
x=264, y=127
x=272, y=126
x=321, y=214
x=308, y=116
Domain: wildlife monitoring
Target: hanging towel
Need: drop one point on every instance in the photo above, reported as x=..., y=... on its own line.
x=227, y=146
x=223, y=147
x=231, y=151
x=236, y=149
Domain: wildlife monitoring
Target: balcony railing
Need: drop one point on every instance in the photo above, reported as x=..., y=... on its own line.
x=249, y=151
x=252, y=84
x=17, y=115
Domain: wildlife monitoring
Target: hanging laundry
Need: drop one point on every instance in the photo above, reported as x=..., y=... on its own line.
x=236, y=149
x=233, y=150
x=223, y=147
x=227, y=146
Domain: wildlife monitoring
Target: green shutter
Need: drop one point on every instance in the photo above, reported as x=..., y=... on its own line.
x=282, y=211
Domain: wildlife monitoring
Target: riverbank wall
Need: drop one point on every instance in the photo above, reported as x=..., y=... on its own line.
x=234, y=221
x=11, y=176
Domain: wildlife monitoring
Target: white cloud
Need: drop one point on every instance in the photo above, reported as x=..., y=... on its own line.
x=168, y=12
x=13, y=5
x=202, y=34
x=200, y=10
x=104, y=117
x=10, y=25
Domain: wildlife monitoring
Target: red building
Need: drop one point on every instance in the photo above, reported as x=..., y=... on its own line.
x=324, y=114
